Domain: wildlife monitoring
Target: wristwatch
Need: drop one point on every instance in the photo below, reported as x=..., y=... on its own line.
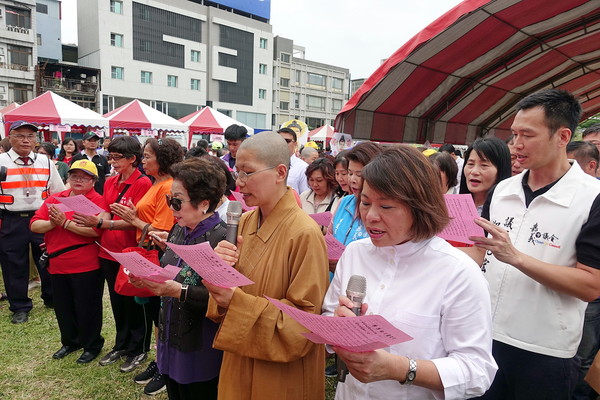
x=411, y=374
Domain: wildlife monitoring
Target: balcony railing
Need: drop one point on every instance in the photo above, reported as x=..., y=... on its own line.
x=70, y=85
x=17, y=67
x=18, y=29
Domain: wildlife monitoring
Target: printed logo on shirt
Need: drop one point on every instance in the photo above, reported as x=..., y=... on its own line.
x=538, y=237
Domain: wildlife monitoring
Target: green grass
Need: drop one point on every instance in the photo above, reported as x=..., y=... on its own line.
x=27, y=370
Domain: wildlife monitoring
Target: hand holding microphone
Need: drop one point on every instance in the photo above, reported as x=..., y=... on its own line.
x=355, y=292
x=227, y=249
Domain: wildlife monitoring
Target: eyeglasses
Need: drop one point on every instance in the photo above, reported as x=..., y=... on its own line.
x=174, y=202
x=30, y=138
x=114, y=157
x=288, y=140
x=243, y=176
x=80, y=178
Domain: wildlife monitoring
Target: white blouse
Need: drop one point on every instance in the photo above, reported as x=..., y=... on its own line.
x=436, y=294
x=309, y=204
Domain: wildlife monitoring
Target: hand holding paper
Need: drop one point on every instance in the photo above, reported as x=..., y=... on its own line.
x=80, y=204
x=202, y=258
x=139, y=266
x=463, y=213
x=358, y=334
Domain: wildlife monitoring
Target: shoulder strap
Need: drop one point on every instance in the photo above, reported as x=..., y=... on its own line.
x=333, y=196
x=67, y=249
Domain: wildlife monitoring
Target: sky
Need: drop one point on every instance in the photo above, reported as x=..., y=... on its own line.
x=346, y=33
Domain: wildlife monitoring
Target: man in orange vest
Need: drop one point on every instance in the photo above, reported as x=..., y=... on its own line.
x=26, y=180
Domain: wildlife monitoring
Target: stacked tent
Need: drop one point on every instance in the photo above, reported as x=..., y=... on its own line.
x=56, y=113
x=209, y=121
x=136, y=117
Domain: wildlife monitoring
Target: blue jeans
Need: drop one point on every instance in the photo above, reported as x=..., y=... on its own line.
x=589, y=346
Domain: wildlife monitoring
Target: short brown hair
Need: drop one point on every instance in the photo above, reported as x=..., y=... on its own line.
x=202, y=180
x=403, y=174
x=363, y=152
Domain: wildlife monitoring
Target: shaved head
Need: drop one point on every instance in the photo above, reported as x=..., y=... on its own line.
x=268, y=148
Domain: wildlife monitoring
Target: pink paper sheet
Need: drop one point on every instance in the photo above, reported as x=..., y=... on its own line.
x=239, y=197
x=323, y=218
x=334, y=247
x=462, y=212
x=139, y=266
x=202, y=258
x=358, y=334
x=80, y=204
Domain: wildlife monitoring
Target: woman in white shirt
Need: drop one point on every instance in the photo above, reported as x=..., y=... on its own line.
x=419, y=283
x=322, y=195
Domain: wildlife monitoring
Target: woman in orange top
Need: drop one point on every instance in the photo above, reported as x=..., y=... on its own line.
x=153, y=212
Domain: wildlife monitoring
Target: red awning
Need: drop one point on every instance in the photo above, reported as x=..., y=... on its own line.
x=461, y=76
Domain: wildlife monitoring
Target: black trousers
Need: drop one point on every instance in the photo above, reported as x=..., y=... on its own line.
x=133, y=334
x=78, y=309
x=523, y=375
x=192, y=391
x=15, y=241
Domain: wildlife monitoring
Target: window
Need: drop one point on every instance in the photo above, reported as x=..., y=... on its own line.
x=285, y=82
x=298, y=73
x=19, y=55
x=18, y=17
x=263, y=43
x=20, y=92
x=171, y=81
x=41, y=8
x=296, y=100
x=262, y=94
x=285, y=57
x=315, y=103
x=116, y=6
x=262, y=69
x=195, y=56
x=39, y=39
x=337, y=83
x=145, y=14
x=336, y=105
x=145, y=46
x=315, y=79
x=195, y=84
x=116, y=40
x=116, y=72
x=146, y=77
x=284, y=105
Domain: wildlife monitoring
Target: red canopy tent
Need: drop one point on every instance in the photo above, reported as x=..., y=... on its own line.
x=208, y=121
x=139, y=118
x=460, y=77
x=56, y=112
x=324, y=133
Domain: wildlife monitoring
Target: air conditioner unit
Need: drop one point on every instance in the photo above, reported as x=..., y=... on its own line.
x=1, y=97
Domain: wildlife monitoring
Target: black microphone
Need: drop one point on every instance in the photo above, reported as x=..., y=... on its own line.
x=356, y=292
x=234, y=212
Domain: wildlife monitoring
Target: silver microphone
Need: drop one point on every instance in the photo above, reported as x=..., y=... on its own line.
x=356, y=292
x=234, y=212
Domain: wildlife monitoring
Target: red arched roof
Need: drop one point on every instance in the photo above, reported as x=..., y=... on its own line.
x=462, y=75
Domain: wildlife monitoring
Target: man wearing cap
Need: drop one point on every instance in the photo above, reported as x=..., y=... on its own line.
x=90, y=152
x=26, y=180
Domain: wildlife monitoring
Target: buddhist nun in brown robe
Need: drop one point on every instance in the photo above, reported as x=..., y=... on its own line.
x=283, y=251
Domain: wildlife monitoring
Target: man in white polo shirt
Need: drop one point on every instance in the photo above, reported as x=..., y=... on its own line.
x=543, y=254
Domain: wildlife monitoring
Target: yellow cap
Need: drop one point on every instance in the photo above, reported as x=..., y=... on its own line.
x=429, y=152
x=312, y=144
x=85, y=165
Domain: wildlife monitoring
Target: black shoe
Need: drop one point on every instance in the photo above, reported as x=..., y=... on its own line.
x=132, y=362
x=64, y=351
x=20, y=317
x=144, y=377
x=3, y=296
x=331, y=371
x=156, y=385
x=111, y=357
x=87, y=356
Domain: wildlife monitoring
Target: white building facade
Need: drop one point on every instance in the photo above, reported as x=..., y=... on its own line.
x=18, y=52
x=306, y=90
x=178, y=56
x=48, y=35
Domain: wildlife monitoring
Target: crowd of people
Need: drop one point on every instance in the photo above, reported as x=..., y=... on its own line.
x=505, y=318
